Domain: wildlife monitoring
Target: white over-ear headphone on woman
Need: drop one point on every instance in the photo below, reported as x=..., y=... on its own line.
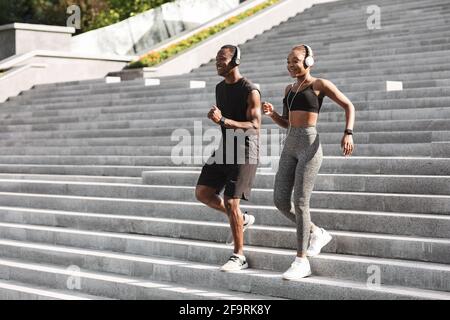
x=309, y=57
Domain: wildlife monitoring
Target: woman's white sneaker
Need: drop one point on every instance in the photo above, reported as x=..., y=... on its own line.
x=235, y=263
x=299, y=269
x=319, y=239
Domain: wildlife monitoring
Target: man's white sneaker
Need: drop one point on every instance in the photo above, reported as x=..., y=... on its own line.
x=249, y=220
x=319, y=239
x=299, y=269
x=235, y=263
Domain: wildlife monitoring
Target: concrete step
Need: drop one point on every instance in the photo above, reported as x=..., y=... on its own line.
x=399, y=224
x=352, y=165
x=434, y=149
x=413, y=273
x=138, y=112
x=120, y=186
x=361, y=103
x=276, y=63
x=182, y=82
x=356, y=33
x=422, y=204
x=129, y=174
x=325, y=12
x=413, y=184
x=115, y=286
x=201, y=98
x=397, y=23
x=91, y=160
x=154, y=128
x=344, y=72
x=327, y=57
x=360, y=91
x=69, y=177
x=201, y=94
x=79, y=199
x=109, y=174
x=211, y=78
x=13, y=290
x=141, y=111
x=337, y=219
x=87, y=171
x=267, y=138
x=341, y=34
x=376, y=246
x=363, y=93
x=248, y=281
x=418, y=203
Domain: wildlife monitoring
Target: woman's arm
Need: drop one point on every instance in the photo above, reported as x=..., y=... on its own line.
x=327, y=88
x=269, y=110
x=279, y=120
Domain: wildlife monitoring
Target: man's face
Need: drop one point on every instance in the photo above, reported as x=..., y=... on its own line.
x=223, y=62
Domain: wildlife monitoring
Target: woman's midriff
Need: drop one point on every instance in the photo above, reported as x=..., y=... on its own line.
x=303, y=119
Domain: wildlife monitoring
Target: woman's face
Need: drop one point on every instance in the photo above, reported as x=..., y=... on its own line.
x=295, y=64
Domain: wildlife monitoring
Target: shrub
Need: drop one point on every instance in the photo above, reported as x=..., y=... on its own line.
x=156, y=57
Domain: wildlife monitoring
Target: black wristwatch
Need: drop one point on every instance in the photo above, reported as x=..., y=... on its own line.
x=348, y=131
x=222, y=121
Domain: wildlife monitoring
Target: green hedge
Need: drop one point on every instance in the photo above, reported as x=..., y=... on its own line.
x=94, y=13
x=156, y=57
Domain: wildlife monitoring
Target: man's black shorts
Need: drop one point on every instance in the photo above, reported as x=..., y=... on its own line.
x=237, y=179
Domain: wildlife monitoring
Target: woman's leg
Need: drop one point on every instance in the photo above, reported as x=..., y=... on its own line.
x=284, y=181
x=309, y=162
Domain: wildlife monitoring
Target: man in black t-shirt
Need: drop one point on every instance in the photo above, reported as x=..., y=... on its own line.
x=233, y=166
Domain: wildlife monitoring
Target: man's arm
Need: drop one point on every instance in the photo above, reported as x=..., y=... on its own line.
x=253, y=114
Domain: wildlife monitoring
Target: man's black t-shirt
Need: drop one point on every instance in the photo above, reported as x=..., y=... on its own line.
x=232, y=99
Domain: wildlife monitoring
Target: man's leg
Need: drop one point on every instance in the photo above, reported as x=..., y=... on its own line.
x=208, y=196
x=211, y=179
x=236, y=223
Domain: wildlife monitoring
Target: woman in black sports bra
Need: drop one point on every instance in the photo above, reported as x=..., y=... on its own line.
x=302, y=154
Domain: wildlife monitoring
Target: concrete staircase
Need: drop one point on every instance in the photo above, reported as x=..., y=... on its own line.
x=87, y=182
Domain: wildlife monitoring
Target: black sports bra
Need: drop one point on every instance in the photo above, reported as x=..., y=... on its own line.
x=305, y=100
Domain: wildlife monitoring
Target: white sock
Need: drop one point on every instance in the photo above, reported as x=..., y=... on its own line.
x=239, y=256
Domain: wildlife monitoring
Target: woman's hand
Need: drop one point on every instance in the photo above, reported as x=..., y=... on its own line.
x=267, y=108
x=347, y=145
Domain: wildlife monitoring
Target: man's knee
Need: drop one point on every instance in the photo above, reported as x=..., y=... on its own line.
x=202, y=194
x=232, y=205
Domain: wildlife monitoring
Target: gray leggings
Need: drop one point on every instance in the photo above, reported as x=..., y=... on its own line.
x=300, y=162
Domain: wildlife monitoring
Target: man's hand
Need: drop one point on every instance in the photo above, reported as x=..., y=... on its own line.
x=215, y=114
